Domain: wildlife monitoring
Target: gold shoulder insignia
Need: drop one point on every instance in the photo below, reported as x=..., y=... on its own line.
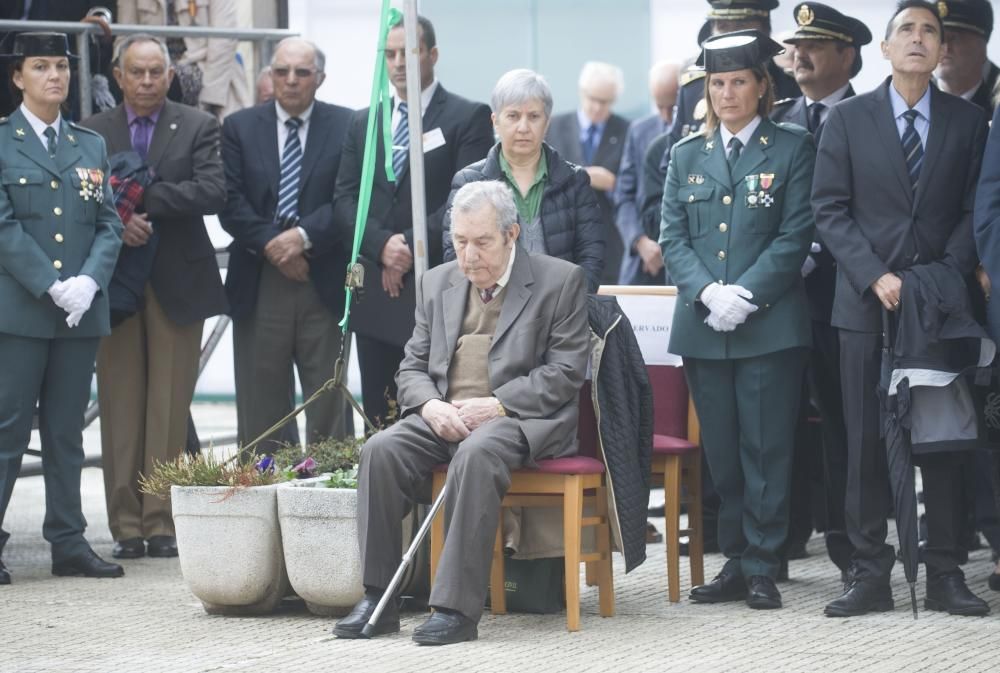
x=692, y=76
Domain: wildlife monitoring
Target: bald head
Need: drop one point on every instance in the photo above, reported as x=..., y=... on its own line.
x=664, y=81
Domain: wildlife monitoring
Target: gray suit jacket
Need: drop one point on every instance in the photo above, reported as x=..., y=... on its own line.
x=866, y=211
x=538, y=358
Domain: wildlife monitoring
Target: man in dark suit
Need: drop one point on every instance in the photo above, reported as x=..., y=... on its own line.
x=827, y=55
x=287, y=262
x=594, y=137
x=894, y=187
x=490, y=382
x=457, y=132
x=965, y=69
x=147, y=368
x=642, y=259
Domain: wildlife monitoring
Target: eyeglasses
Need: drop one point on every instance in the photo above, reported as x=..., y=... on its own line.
x=282, y=72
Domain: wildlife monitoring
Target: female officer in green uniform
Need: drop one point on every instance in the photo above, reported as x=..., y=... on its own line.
x=736, y=229
x=59, y=239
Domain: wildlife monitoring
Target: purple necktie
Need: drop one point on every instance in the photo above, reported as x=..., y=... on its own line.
x=488, y=293
x=141, y=135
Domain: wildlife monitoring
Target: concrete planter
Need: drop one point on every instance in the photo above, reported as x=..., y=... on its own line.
x=229, y=545
x=319, y=533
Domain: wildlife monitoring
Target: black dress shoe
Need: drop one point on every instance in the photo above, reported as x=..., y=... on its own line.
x=993, y=581
x=351, y=625
x=162, y=546
x=947, y=592
x=86, y=564
x=4, y=573
x=762, y=594
x=726, y=587
x=133, y=547
x=445, y=628
x=860, y=597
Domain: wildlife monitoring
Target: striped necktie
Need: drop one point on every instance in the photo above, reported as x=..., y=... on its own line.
x=401, y=142
x=291, y=167
x=913, y=149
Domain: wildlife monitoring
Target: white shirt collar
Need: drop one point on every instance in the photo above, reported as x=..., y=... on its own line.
x=744, y=135
x=38, y=126
x=283, y=115
x=830, y=100
x=505, y=278
x=425, y=99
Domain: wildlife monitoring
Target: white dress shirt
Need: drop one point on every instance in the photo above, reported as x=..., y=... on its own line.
x=744, y=135
x=38, y=126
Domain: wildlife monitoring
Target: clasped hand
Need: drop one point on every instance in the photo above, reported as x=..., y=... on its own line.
x=74, y=295
x=454, y=421
x=728, y=306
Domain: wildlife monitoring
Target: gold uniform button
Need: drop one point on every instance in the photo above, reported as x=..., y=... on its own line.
x=690, y=198
x=721, y=255
x=57, y=210
x=59, y=238
x=54, y=184
x=727, y=199
x=57, y=264
x=723, y=227
x=23, y=181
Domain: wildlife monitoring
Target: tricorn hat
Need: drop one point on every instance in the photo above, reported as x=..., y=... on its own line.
x=40, y=44
x=734, y=10
x=738, y=50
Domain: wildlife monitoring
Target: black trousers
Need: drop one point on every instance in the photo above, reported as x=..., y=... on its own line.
x=378, y=362
x=868, y=495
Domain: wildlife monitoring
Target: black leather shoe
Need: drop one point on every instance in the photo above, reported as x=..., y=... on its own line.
x=726, y=587
x=4, y=573
x=445, y=628
x=947, y=592
x=351, y=625
x=86, y=564
x=762, y=594
x=133, y=547
x=860, y=597
x=162, y=546
x=993, y=582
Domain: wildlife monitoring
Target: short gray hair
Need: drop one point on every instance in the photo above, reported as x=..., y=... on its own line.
x=598, y=72
x=319, y=58
x=136, y=38
x=476, y=195
x=517, y=87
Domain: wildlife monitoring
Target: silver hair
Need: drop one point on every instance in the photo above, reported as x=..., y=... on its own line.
x=595, y=71
x=135, y=38
x=476, y=195
x=517, y=87
x=319, y=58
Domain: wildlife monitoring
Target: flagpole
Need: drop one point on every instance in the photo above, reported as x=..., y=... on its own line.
x=416, y=125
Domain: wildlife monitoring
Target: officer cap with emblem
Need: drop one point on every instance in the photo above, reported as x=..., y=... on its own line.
x=972, y=15
x=815, y=21
x=739, y=50
x=27, y=45
x=734, y=10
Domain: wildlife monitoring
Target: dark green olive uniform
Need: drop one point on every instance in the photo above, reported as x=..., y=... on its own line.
x=752, y=228
x=57, y=220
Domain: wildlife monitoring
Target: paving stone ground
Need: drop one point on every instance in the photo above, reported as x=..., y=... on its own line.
x=149, y=622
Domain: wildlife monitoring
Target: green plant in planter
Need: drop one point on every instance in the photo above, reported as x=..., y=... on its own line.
x=208, y=470
x=344, y=478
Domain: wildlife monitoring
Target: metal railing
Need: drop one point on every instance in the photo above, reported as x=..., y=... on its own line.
x=263, y=40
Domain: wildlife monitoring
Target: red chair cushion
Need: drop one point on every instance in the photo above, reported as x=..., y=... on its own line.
x=570, y=465
x=666, y=444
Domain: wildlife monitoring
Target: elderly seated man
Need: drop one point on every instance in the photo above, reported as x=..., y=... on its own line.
x=489, y=382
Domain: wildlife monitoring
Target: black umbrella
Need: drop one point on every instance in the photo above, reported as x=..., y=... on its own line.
x=900, y=462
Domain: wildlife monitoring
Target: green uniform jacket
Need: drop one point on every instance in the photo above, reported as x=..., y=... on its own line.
x=752, y=229
x=49, y=229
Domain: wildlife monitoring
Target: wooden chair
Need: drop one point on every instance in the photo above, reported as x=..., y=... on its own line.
x=569, y=482
x=677, y=456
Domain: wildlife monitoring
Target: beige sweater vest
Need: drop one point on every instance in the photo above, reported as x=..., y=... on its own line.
x=469, y=373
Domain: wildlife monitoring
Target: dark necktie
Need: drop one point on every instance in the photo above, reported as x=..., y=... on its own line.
x=815, y=116
x=913, y=149
x=735, y=147
x=590, y=146
x=291, y=167
x=50, y=133
x=401, y=142
x=141, y=137
x=488, y=293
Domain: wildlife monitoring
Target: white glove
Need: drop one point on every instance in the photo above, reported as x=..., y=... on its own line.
x=728, y=302
x=719, y=324
x=75, y=297
x=55, y=291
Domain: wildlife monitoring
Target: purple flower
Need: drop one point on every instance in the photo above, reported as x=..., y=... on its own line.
x=307, y=468
x=266, y=464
